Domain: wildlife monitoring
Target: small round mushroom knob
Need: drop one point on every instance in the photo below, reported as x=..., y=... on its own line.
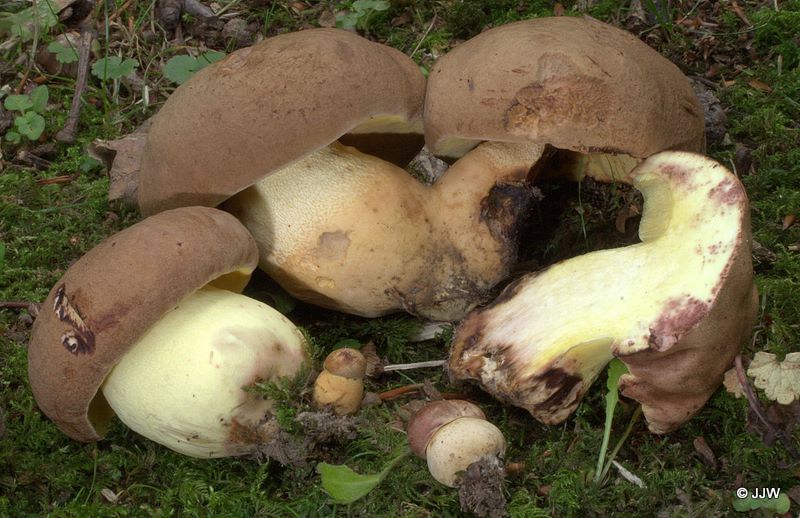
x=341, y=382
x=451, y=435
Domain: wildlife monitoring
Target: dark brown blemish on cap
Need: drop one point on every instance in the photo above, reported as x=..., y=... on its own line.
x=559, y=101
x=79, y=339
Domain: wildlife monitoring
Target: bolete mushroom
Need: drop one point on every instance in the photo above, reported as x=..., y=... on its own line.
x=595, y=92
x=676, y=308
x=377, y=240
x=150, y=324
x=341, y=382
x=451, y=435
x=310, y=118
x=298, y=127
x=265, y=107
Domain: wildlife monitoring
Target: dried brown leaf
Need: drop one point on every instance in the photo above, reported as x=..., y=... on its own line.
x=706, y=453
x=780, y=420
x=760, y=85
x=788, y=221
x=740, y=13
x=122, y=157
x=327, y=19
x=732, y=385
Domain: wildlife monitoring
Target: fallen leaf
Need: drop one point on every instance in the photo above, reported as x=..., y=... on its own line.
x=122, y=157
x=706, y=453
x=740, y=13
x=779, y=381
x=732, y=385
x=327, y=19
x=110, y=495
x=788, y=221
x=627, y=475
x=743, y=160
x=794, y=494
x=760, y=85
x=403, y=19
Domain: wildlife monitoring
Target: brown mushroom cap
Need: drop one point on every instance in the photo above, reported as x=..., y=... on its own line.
x=265, y=106
x=111, y=296
x=574, y=83
x=427, y=421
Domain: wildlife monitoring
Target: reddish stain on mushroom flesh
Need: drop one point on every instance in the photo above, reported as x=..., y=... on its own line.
x=727, y=192
x=679, y=315
x=679, y=175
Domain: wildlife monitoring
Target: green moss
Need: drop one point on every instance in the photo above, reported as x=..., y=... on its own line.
x=46, y=227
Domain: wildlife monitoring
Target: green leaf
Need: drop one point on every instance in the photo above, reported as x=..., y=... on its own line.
x=778, y=505
x=22, y=24
x=212, y=56
x=64, y=55
x=180, y=68
x=345, y=486
x=347, y=21
x=39, y=97
x=31, y=124
x=18, y=103
x=352, y=343
x=365, y=6
x=615, y=370
x=113, y=67
x=88, y=164
x=2, y=254
x=13, y=136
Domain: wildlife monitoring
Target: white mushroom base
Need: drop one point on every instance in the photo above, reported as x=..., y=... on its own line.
x=182, y=384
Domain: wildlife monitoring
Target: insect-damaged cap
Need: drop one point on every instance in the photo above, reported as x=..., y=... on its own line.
x=266, y=106
x=575, y=83
x=111, y=296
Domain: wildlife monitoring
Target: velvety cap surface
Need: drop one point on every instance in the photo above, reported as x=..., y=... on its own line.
x=575, y=83
x=268, y=105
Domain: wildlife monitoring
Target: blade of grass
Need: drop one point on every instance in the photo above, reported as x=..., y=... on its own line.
x=615, y=370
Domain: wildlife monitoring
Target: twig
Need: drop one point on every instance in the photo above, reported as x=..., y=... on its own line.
x=15, y=304
x=705, y=81
x=399, y=391
x=416, y=387
x=67, y=134
x=417, y=365
x=424, y=35
x=119, y=11
x=755, y=405
x=32, y=60
x=64, y=178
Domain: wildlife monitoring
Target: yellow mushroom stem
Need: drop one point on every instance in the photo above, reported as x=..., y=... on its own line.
x=341, y=382
x=351, y=232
